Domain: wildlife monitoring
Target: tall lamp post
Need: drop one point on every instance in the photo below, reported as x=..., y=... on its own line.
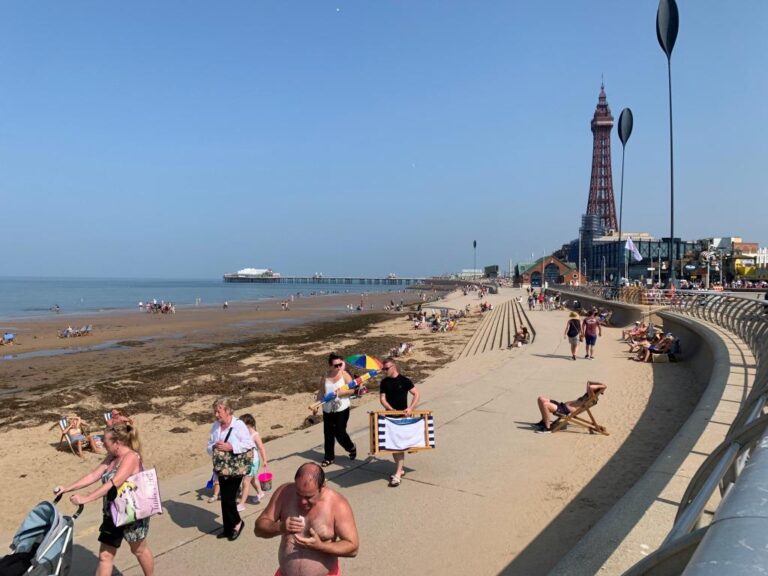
x=667, y=24
x=625, y=130
x=474, y=262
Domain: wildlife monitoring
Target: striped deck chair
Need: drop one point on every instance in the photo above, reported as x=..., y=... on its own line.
x=391, y=431
x=589, y=400
x=63, y=425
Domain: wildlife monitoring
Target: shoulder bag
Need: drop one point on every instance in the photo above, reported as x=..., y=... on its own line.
x=137, y=498
x=231, y=464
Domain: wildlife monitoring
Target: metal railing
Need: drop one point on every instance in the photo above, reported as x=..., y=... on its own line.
x=736, y=539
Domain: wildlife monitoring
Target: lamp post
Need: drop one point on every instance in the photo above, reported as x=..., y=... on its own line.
x=625, y=130
x=474, y=262
x=585, y=270
x=667, y=24
x=603, y=270
x=579, y=256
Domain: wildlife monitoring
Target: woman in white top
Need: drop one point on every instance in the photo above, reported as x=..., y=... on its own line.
x=229, y=434
x=336, y=410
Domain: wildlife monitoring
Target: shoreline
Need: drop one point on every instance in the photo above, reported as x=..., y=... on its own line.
x=49, y=314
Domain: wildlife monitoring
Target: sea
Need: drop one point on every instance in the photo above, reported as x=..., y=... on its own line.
x=22, y=298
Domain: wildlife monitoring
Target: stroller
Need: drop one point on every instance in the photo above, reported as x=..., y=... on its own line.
x=43, y=544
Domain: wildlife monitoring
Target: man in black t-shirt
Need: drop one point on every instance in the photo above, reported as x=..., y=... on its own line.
x=393, y=394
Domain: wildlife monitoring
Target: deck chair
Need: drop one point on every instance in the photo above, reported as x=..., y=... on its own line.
x=63, y=425
x=577, y=416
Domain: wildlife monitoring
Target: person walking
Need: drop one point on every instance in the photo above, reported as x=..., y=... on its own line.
x=336, y=411
x=573, y=332
x=123, y=447
x=315, y=524
x=393, y=395
x=590, y=327
x=229, y=434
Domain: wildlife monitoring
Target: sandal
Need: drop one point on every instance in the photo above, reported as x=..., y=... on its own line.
x=353, y=453
x=326, y=463
x=394, y=482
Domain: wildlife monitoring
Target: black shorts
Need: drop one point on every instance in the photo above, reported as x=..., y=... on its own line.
x=562, y=409
x=110, y=534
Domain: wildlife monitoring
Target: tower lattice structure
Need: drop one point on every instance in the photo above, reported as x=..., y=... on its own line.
x=601, y=202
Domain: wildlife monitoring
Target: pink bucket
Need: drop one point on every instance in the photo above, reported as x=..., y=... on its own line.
x=265, y=479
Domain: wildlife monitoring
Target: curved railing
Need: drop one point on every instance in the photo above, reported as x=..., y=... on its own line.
x=736, y=539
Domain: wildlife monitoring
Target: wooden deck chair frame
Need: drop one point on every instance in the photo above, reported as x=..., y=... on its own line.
x=373, y=427
x=577, y=417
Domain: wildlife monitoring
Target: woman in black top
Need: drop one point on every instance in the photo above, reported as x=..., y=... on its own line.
x=573, y=333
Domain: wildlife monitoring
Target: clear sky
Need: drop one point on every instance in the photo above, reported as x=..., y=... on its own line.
x=187, y=139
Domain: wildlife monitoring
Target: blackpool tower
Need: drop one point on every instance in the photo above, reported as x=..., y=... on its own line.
x=601, y=203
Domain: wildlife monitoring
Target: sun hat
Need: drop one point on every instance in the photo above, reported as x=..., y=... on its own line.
x=637, y=321
x=573, y=315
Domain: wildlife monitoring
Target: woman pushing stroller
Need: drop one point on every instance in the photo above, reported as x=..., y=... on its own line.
x=121, y=441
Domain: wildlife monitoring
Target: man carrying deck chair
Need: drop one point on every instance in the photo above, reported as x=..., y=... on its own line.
x=566, y=412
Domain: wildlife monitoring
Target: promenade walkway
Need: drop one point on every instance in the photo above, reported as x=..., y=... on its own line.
x=493, y=498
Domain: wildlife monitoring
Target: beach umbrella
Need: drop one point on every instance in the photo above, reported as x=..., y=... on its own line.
x=363, y=361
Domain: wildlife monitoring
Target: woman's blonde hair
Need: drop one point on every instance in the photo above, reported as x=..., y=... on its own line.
x=126, y=434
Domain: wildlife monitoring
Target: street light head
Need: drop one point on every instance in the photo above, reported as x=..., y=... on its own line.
x=667, y=24
x=625, y=125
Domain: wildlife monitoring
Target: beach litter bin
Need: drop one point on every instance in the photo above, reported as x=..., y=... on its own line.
x=265, y=479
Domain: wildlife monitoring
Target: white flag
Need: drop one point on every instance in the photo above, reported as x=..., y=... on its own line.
x=635, y=252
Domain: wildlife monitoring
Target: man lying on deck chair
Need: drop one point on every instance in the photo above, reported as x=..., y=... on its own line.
x=547, y=407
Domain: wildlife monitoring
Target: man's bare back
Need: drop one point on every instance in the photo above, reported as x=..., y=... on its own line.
x=316, y=527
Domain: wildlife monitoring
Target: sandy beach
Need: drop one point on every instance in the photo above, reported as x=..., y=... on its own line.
x=165, y=370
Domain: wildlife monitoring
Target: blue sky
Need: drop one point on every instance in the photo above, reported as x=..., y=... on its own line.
x=188, y=139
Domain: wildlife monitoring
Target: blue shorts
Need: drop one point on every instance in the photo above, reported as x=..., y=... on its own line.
x=590, y=340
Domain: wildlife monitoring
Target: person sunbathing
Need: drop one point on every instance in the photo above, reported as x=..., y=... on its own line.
x=549, y=407
x=639, y=344
x=80, y=436
x=636, y=332
x=663, y=346
x=116, y=417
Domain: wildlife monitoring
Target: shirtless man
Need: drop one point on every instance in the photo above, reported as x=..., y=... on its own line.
x=547, y=407
x=315, y=523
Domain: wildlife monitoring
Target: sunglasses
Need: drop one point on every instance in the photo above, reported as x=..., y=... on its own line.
x=337, y=365
x=387, y=367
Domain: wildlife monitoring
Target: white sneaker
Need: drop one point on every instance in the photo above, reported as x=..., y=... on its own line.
x=241, y=507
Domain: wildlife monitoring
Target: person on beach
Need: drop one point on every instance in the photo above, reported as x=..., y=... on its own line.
x=591, y=329
x=336, y=411
x=315, y=524
x=116, y=417
x=229, y=434
x=79, y=435
x=259, y=458
x=573, y=333
x=123, y=460
x=548, y=407
x=393, y=395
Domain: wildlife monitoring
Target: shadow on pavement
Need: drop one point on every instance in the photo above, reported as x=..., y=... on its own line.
x=84, y=562
x=189, y=516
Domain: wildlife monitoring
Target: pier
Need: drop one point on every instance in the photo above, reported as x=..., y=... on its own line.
x=332, y=280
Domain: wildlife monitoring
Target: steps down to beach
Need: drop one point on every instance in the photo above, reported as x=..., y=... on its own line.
x=498, y=329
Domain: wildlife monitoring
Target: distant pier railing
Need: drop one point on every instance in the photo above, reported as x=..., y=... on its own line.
x=331, y=280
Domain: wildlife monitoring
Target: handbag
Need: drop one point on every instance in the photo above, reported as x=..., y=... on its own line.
x=137, y=498
x=231, y=464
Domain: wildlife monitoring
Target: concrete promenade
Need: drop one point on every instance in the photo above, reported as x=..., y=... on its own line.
x=493, y=498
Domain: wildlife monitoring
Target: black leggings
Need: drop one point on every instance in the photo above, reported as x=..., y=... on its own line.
x=335, y=428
